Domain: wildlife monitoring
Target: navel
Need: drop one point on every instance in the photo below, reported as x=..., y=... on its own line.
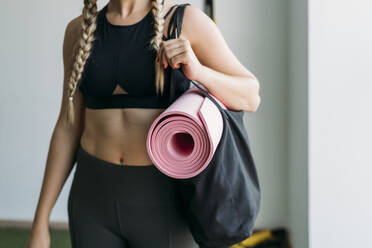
x=121, y=160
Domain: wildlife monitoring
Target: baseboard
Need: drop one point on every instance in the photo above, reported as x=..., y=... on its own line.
x=28, y=224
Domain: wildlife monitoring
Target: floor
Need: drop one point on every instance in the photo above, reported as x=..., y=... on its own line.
x=18, y=238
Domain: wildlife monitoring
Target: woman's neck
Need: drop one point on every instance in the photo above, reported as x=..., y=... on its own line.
x=124, y=8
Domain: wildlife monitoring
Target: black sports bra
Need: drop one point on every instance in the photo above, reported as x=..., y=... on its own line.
x=120, y=71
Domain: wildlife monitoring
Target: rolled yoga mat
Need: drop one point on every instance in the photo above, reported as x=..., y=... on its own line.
x=183, y=138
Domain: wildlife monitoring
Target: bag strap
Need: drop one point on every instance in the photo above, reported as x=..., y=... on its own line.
x=170, y=10
x=206, y=94
x=175, y=23
x=176, y=20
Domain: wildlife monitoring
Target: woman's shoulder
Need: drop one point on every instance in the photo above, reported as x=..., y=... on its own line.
x=193, y=17
x=71, y=36
x=73, y=31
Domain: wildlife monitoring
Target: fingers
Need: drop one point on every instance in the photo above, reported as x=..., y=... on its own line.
x=172, y=52
x=163, y=59
x=178, y=59
x=161, y=55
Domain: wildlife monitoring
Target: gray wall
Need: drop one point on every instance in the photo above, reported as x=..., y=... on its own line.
x=298, y=123
x=257, y=33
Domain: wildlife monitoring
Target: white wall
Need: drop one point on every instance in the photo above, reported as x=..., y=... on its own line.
x=257, y=33
x=30, y=92
x=340, y=123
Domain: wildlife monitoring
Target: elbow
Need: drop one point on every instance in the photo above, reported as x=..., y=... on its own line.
x=253, y=100
x=253, y=104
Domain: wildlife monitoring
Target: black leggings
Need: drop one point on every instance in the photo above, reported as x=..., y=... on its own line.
x=120, y=206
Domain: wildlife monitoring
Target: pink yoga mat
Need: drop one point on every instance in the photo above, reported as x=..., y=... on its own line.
x=183, y=138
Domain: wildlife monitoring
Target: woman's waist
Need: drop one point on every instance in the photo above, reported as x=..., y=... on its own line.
x=124, y=118
x=118, y=134
x=121, y=124
x=121, y=148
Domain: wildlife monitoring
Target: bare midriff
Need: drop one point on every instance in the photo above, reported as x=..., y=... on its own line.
x=118, y=135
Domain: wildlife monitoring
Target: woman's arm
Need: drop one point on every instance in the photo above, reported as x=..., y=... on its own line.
x=210, y=61
x=65, y=140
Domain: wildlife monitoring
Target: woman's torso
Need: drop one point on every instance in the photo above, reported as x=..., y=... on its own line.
x=118, y=135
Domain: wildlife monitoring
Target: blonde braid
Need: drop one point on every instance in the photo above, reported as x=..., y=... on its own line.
x=157, y=8
x=85, y=45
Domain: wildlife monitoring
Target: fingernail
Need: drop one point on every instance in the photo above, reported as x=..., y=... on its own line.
x=157, y=59
x=163, y=66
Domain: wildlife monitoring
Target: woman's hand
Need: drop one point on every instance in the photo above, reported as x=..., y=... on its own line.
x=178, y=53
x=39, y=237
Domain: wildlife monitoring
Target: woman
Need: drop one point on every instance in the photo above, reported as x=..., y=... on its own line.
x=111, y=96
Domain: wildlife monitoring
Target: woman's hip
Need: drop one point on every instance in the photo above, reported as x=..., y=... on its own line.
x=137, y=202
x=128, y=183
